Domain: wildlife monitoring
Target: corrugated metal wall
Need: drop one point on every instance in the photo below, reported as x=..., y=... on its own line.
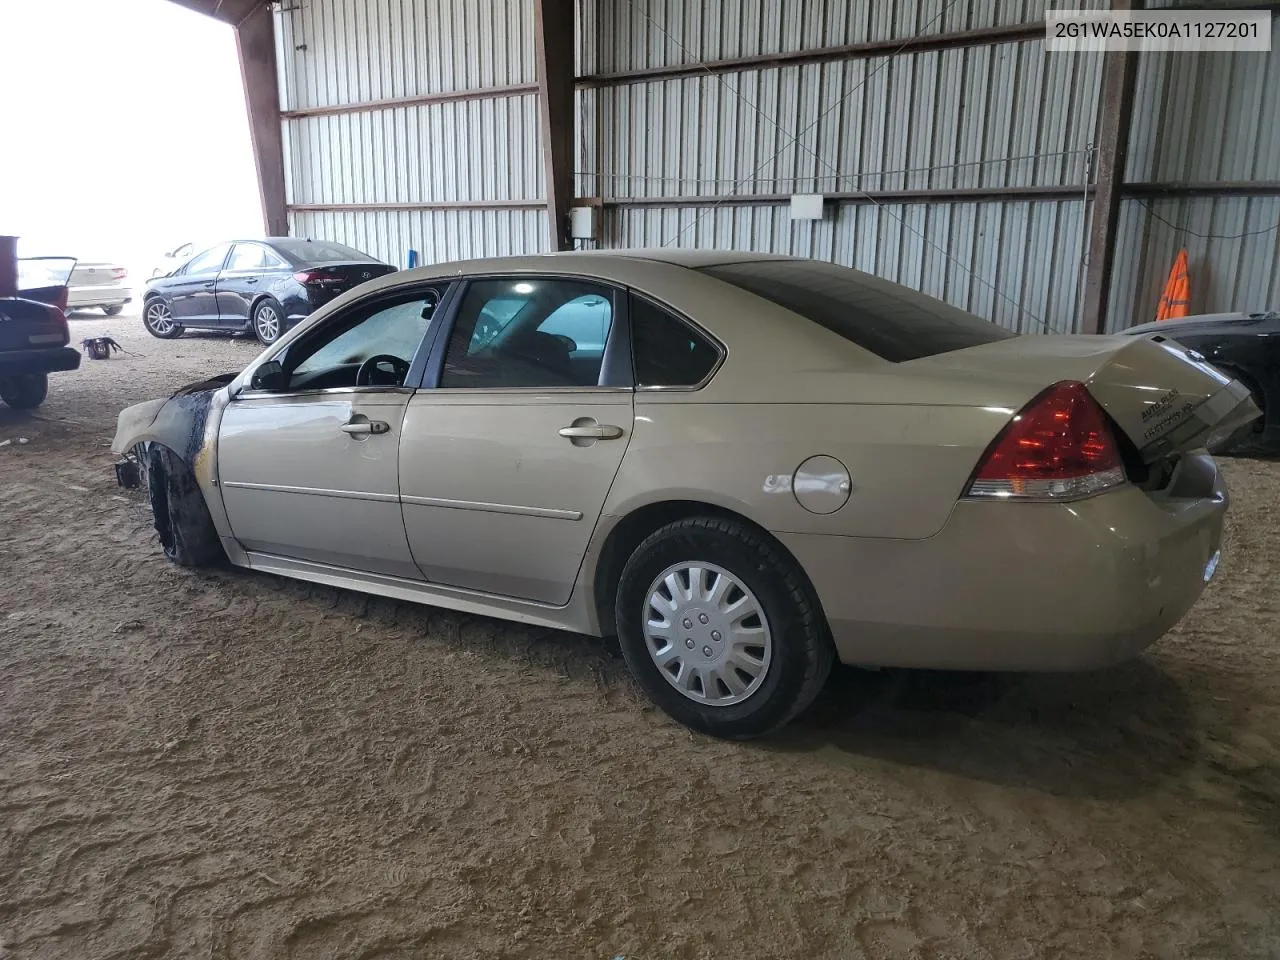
x=976, y=255
x=1203, y=117
x=333, y=52
x=984, y=117
x=657, y=33
x=1000, y=115
x=342, y=52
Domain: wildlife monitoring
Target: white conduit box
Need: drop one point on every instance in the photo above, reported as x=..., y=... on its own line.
x=583, y=223
x=806, y=206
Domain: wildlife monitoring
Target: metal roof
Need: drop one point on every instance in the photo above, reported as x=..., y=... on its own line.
x=233, y=12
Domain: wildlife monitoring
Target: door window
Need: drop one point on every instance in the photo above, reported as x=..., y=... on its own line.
x=208, y=262
x=529, y=333
x=336, y=354
x=667, y=351
x=247, y=256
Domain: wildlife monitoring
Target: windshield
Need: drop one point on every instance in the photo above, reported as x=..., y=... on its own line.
x=891, y=321
x=320, y=251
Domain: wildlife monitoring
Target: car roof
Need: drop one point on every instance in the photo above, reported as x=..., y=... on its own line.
x=680, y=256
x=1181, y=322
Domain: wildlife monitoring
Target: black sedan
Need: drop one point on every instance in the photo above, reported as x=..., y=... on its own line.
x=263, y=286
x=1245, y=346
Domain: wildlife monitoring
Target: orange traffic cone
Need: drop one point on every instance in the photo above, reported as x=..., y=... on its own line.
x=1177, y=290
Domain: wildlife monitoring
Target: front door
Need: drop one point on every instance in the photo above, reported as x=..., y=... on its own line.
x=192, y=293
x=505, y=465
x=308, y=460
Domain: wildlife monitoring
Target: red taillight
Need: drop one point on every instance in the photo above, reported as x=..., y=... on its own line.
x=316, y=276
x=1058, y=447
x=119, y=273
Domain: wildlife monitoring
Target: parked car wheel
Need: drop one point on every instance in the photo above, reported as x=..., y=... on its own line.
x=26, y=391
x=114, y=310
x=721, y=629
x=268, y=322
x=158, y=320
x=181, y=516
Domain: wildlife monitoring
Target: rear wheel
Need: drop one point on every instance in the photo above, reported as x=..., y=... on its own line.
x=181, y=515
x=158, y=319
x=25, y=391
x=113, y=310
x=268, y=322
x=721, y=629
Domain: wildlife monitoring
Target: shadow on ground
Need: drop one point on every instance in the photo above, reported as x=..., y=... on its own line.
x=1105, y=734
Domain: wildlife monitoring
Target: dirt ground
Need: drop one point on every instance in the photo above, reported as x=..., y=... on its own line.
x=235, y=765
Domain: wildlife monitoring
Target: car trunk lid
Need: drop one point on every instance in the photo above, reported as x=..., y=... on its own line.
x=340, y=277
x=31, y=325
x=1164, y=398
x=96, y=274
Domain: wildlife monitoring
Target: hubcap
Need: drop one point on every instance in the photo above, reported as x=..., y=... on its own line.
x=268, y=324
x=159, y=319
x=707, y=633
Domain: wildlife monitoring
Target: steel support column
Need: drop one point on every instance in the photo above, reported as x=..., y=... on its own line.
x=1119, y=70
x=256, y=45
x=554, y=45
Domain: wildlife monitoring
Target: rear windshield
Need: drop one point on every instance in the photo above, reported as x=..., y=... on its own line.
x=320, y=251
x=891, y=321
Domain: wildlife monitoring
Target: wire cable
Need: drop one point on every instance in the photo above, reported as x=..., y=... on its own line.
x=1208, y=236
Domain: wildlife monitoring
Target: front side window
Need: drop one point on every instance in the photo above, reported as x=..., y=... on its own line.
x=247, y=256
x=891, y=321
x=208, y=262
x=370, y=346
x=666, y=350
x=529, y=333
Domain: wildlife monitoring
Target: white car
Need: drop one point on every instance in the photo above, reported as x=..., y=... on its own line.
x=99, y=284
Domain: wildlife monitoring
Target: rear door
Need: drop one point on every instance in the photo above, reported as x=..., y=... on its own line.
x=192, y=291
x=505, y=466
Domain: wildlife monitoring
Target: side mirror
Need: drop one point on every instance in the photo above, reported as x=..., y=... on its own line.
x=269, y=376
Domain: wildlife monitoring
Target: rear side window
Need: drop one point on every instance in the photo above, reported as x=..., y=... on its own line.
x=891, y=321
x=321, y=251
x=666, y=350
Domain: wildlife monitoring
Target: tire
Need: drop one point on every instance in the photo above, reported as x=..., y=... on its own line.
x=24, y=391
x=158, y=320
x=114, y=310
x=181, y=516
x=268, y=322
x=793, y=664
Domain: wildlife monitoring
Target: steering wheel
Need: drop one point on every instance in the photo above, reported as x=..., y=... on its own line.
x=569, y=342
x=368, y=369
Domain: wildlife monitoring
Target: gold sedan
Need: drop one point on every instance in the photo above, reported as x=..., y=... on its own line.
x=745, y=466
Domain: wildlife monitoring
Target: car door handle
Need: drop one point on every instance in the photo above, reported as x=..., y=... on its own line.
x=251, y=280
x=599, y=431
x=366, y=427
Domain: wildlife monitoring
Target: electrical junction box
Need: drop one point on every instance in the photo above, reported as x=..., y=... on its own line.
x=584, y=223
x=806, y=206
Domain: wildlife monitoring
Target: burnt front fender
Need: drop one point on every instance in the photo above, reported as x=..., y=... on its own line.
x=187, y=424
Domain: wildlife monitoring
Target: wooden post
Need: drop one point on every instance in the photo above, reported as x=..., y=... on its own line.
x=554, y=45
x=1119, y=70
x=256, y=45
